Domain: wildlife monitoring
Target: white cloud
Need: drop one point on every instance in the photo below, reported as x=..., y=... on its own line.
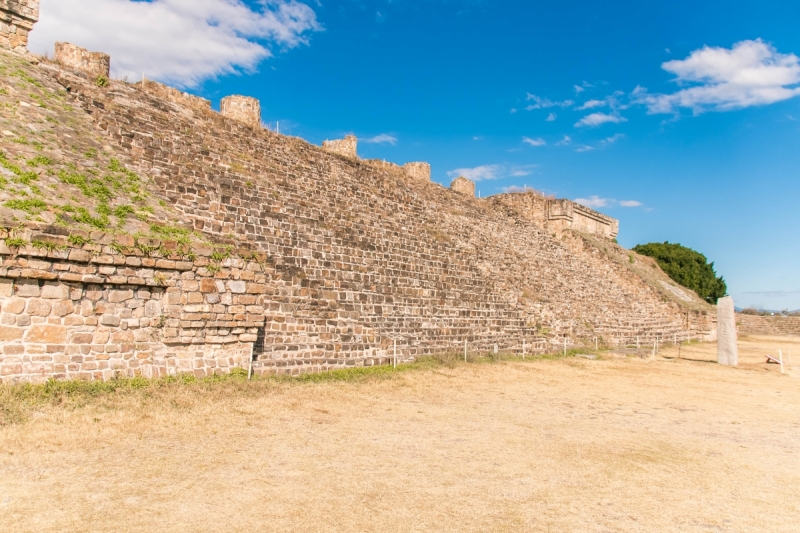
x=612, y=139
x=751, y=73
x=597, y=119
x=551, y=117
x=481, y=173
x=584, y=148
x=514, y=188
x=513, y=110
x=594, y=201
x=565, y=141
x=534, y=142
x=578, y=89
x=630, y=203
x=383, y=138
x=541, y=103
x=592, y=104
x=181, y=42
x=521, y=171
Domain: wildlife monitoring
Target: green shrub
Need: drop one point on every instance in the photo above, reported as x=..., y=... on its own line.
x=686, y=267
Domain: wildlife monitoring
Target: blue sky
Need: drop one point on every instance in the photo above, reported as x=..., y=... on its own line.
x=679, y=118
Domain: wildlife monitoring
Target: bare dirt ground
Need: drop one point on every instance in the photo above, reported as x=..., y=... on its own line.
x=615, y=444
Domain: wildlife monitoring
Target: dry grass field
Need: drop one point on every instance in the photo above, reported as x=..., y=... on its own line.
x=614, y=444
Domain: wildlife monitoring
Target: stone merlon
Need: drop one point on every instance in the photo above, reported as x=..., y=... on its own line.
x=347, y=147
x=17, y=18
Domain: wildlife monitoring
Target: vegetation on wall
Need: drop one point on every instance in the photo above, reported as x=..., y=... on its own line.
x=686, y=267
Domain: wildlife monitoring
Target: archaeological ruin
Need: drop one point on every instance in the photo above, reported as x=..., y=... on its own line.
x=143, y=233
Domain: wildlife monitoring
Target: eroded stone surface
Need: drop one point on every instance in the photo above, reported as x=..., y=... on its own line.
x=727, y=349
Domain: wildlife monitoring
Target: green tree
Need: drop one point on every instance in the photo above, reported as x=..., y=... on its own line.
x=686, y=267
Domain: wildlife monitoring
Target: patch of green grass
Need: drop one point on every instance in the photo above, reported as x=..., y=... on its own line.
x=15, y=242
x=84, y=217
x=172, y=233
x=32, y=206
x=78, y=240
x=25, y=178
x=25, y=77
x=39, y=160
x=123, y=211
x=46, y=245
x=116, y=166
x=90, y=153
x=90, y=187
x=20, y=140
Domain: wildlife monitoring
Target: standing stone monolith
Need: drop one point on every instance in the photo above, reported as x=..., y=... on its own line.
x=727, y=350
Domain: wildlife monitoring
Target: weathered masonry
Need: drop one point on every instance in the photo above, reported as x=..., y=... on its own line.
x=345, y=257
x=17, y=18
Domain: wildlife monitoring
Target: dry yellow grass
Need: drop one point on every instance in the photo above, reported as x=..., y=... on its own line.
x=618, y=444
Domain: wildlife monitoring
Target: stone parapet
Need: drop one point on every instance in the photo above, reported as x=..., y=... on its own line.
x=463, y=186
x=418, y=170
x=17, y=18
x=159, y=90
x=347, y=147
x=767, y=325
x=242, y=108
x=93, y=63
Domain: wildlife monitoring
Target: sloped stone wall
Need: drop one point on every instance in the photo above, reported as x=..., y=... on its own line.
x=359, y=256
x=768, y=325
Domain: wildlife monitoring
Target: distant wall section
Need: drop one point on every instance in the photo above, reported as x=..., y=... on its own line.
x=767, y=325
x=558, y=215
x=75, y=57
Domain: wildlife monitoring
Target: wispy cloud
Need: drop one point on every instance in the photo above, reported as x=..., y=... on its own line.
x=598, y=119
x=481, y=173
x=383, y=138
x=584, y=148
x=600, y=144
x=493, y=172
x=182, y=42
x=591, y=104
x=774, y=294
x=551, y=117
x=596, y=202
x=593, y=201
x=541, y=103
x=565, y=141
x=751, y=73
x=578, y=89
x=534, y=142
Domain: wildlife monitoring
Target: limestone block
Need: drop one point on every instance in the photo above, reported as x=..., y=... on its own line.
x=727, y=349
x=14, y=306
x=17, y=18
x=47, y=334
x=6, y=288
x=8, y=333
x=464, y=186
x=418, y=170
x=242, y=108
x=95, y=64
x=55, y=291
x=346, y=147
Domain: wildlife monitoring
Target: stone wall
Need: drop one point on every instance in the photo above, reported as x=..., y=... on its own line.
x=93, y=63
x=93, y=313
x=170, y=94
x=347, y=147
x=242, y=108
x=768, y=325
x=418, y=170
x=558, y=215
x=17, y=18
x=357, y=255
x=463, y=186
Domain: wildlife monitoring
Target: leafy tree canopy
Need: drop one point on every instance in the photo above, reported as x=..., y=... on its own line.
x=686, y=267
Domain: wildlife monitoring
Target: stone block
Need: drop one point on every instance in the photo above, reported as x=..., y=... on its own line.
x=241, y=108
x=110, y=320
x=46, y=334
x=27, y=288
x=14, y=306
x=238, y=287
x=6, y=287
x=9, y=333
x=38, y=307
x=727, y=348
x=55, y=291
x=118, y=296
